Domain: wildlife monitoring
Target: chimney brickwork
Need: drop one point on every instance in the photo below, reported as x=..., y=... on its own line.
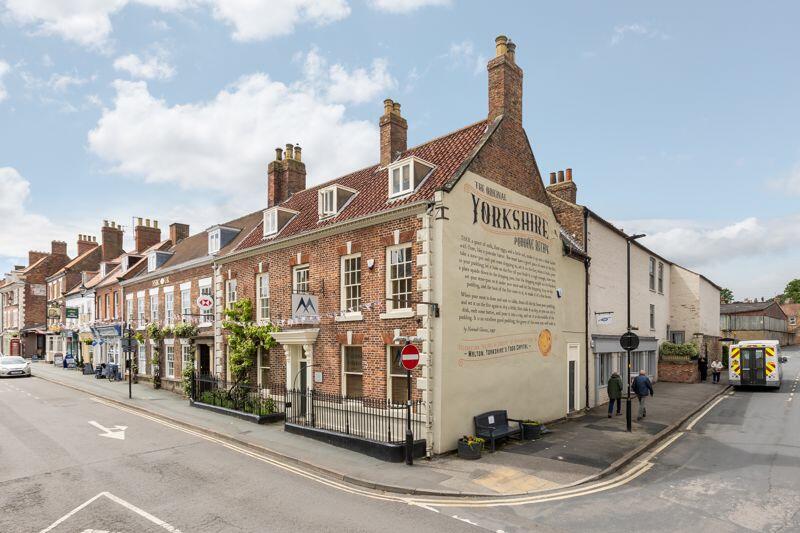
x=86, y=243
x=286, y=176
x=112, y=240
x=505, y=82
x=178, y=232
x=563, y=186
x=58, y=248
x=146, y=234
x=34, y=256
x=394, y=132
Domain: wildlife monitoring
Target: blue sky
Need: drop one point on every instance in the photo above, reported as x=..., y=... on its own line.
x=679, y=119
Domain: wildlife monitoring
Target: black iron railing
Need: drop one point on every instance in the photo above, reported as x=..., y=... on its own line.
x=214, y=390
x=377, y=419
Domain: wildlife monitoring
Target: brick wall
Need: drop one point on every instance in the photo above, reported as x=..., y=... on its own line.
x=324, y=257
x=678, y=372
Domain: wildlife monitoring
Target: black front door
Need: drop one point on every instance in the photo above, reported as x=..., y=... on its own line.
x=205, y=359
x=753, y=372
x=572, y=386
x=303, y=384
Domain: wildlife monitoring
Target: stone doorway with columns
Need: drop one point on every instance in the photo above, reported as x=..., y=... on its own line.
x=298, y=344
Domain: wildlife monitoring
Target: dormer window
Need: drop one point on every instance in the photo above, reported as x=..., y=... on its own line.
x=406, y=175
x=156, y=259
x=275, y=219
x=214, y=241
x=333, y=199
x=151, y=262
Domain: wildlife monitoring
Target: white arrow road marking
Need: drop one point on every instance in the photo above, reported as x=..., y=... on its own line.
x=117, y=432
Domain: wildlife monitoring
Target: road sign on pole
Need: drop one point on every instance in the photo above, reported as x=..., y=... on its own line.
x=629, y=341
x=409, y=357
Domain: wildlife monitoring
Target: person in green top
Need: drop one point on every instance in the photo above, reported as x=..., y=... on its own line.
x=614, y=393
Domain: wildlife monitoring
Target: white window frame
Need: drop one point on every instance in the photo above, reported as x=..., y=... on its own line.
x=652, y=317
x=151, y=262
x=186, y=302
x=154, y=308
x=390, y=375
x=142, y=355
x=262, y=300
x=186, y=356
x=262, y=362
x=792, y=320
x=327, y=202
x=350, y=306
x=129, y=309
x=140, y=312
x=214, y=240
x=296, y=283
x=397, y=170
x=169, y=359
x=346, y=373
x=270, y=222
x=230, y=293
x=169, y=307
x=391, y=304
x=652, y=273
x=207, y=315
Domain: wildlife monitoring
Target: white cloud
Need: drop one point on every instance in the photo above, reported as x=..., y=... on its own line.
x=790, y=183
x=642, y=30
x=742, y=254
x=160, y=25
x=338, y=85
x=405, y=6
x=255, y=20
x=224, y=144
x=4, y=69
x=20, y=229
x=152, y=67
x=88, y=22
x=463, y=55
x=62, y=82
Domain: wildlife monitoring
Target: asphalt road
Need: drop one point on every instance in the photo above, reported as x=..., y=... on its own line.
x=737, y=469
x=53, y=460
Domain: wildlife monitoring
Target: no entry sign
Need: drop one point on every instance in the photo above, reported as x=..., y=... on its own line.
x=409, y=357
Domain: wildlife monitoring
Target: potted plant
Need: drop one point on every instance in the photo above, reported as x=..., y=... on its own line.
x=470, y=447
x=531, y=429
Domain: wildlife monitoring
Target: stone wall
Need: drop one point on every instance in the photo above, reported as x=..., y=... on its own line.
x=678, y=372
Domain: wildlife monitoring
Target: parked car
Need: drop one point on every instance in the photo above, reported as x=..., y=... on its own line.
x=14, y=365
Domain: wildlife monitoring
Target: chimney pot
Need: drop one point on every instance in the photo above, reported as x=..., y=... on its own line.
x=289, y=151
x=552, y=178
x=147, y=223
x=278, y=154
x=388, y=107
x=155, y=223
x=105, y=223
x=501, y=46
x=560, y=176
x=396, y=109
x=138, y=221
x=569, y=174
x=512, y=47
x=297, y=152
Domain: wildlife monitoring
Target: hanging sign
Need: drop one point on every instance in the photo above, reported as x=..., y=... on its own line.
x=205, y=302
x=305, y=307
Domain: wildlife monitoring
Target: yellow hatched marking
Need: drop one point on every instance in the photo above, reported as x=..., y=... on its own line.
x=770, y=368
x=771, y=351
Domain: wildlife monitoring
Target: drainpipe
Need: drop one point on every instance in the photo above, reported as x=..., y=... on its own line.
x=586, y=262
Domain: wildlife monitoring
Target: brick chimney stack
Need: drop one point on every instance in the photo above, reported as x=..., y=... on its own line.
x=563, y=186
x=146, y=234
x=112, y=240
x=178, y=232
x=394, y=132
x=285, y=176
x=34, y=256
x=505, y=82
x=58, y=248
x=86, y=243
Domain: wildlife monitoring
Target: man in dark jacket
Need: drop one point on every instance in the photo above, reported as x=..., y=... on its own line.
x=614, y=393
x=642, y=387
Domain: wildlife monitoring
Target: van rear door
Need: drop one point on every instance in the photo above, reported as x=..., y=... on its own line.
x=753, y=366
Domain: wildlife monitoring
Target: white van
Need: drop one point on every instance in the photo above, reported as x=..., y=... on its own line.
x=756, y=363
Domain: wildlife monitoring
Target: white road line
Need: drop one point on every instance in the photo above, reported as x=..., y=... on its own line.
x=144, y=514
x=704, y=413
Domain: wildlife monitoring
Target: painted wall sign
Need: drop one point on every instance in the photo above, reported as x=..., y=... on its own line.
x=604, y=319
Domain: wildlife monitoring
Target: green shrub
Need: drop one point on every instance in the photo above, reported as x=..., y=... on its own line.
x=687, y=350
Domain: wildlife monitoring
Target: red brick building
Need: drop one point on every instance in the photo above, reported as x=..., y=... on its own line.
x=163, y=289
x=452, y=244
x=23, y=301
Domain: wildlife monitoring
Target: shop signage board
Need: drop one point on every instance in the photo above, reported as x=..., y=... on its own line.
x=305, y=307
x=72, y=312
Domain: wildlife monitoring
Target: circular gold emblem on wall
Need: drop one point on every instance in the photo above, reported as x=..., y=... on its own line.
x=545, y=342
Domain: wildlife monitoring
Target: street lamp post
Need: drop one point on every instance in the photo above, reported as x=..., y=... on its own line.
x=628, y=420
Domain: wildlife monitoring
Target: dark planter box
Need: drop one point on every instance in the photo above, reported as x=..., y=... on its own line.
x=258, y=419
x=530, y=432
x=385, y=451
x=468, y=452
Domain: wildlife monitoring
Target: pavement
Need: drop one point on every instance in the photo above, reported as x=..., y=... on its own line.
x=577, y=450
x=735, y=467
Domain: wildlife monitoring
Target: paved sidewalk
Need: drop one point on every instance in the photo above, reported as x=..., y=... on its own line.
x=577, y=449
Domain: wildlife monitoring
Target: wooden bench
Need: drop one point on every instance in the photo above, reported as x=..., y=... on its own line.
x=494, y=425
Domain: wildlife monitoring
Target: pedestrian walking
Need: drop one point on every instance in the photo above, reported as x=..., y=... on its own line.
x=614, y=393
x=702, y=365
x=642, y=387
x=716, y=369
